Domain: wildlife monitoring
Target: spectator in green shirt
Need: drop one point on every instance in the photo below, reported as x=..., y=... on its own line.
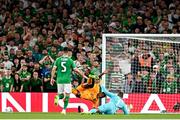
x=25, y=79
x=170, y=85
x=7, y=82
x=36, y=83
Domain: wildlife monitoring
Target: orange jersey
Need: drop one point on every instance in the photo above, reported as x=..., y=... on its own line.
x=81, y=88
x=91, y=94
x=88, y=93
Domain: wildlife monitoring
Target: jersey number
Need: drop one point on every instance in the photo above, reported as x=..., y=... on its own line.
x=63, y=66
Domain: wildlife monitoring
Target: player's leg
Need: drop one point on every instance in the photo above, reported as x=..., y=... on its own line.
x=67, y=90
x=102, y=109
x=94, y=110
x=108, y=108
x=60, y=89
x=77, y=91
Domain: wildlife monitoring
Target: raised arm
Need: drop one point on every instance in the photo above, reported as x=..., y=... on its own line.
x=109, y=94
x=80, y=73
x=105, y=72
x=42, y=60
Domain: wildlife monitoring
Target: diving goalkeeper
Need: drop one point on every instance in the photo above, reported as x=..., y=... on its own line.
x=116, y=103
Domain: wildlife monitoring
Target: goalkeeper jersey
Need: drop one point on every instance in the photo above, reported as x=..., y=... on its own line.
x=115, y=103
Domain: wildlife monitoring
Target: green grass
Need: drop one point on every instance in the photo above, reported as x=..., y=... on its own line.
x=85, y=116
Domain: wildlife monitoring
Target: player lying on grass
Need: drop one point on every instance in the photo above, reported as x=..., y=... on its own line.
x=90, y=89
x=116, y=103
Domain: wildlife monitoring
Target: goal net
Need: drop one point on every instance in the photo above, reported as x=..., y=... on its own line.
x=146, y=68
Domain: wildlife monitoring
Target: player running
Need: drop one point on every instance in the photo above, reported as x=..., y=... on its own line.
x=64, y=66
x=116, y=103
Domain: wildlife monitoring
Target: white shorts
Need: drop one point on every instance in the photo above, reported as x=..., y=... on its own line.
x=64, y=88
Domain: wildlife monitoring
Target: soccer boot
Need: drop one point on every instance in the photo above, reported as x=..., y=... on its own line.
x=56, y=100
x=63, y=112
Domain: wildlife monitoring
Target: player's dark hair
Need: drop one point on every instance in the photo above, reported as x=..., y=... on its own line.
x=120, y=94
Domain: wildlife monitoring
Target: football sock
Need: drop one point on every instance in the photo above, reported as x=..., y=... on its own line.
x=61, y=96
x=66, y=101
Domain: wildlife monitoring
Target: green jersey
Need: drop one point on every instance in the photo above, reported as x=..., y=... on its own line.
x=7, y=82
x=64, y=65
x=170, y=87
x=35, y=84
x=24, y=74
x=25, y=83
x=26, y=86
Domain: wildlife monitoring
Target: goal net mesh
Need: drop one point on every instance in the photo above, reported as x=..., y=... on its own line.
x=143, y=65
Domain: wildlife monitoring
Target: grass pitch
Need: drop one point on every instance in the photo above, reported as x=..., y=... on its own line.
x=86, y=116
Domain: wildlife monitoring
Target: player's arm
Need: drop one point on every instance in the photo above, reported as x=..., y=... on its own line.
x=80, y=73
x=77, y=70
x=125, y=110
x=87, y=85
x=52, y=75
x=105, y=72
x=109, y=94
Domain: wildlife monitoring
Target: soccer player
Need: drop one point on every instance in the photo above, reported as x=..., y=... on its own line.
x=111, y=107
x=64, y=66
x=7, y=82
x=90, y=89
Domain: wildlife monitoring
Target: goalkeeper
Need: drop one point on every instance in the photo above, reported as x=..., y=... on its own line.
x=116, y=103
x=90, y=89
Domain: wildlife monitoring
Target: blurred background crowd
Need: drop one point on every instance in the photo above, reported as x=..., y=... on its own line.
x=138, y=66
x=33, y=34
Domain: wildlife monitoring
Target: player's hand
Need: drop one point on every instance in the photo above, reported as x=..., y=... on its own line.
x=106, y=71
x=52, y=82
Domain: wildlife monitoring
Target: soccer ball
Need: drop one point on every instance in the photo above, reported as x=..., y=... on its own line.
x=8, y=109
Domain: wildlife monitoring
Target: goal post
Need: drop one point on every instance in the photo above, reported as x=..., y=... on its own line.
x=145, y=67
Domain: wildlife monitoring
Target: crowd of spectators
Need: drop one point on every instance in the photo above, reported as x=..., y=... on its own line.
x=33, y=34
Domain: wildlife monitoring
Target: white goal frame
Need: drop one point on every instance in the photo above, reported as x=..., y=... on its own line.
x=134, y=36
